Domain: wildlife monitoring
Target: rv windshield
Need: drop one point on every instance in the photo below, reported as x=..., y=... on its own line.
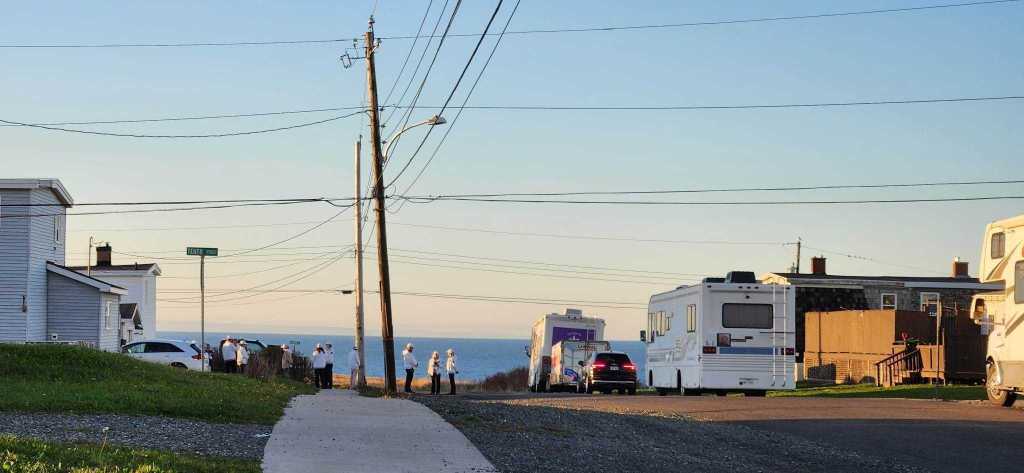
x=747, y=316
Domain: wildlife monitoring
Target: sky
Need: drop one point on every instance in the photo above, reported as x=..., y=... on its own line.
x=939, y=53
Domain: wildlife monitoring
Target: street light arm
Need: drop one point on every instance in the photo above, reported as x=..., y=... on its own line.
x=432, y=121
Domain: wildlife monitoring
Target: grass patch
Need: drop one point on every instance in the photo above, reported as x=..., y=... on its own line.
x=906, y=391
x=67, y=379
x=33, y=456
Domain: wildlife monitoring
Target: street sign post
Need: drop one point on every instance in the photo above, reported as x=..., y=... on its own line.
x=202, y=253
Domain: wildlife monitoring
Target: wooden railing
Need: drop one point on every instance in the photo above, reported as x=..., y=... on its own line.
x=890, y=371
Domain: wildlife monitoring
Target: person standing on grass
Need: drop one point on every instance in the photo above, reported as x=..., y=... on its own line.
x=451, y=369
x=353, y=368
x=410, y=366
x=434, y=370
x=286, y=360
x=329, y=367
x=319, y=363
x=242, y=358
x=227, y=355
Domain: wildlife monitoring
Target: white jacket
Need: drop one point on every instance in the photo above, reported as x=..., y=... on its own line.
x=353, y=360
x=449, y=365
x=243, y=355
x=410, y=360
x=330, y=356
x=434, y=367
x=319, y=360
x=227, y=351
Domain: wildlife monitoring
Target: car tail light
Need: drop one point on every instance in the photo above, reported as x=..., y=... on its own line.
x=599, y=365
x=790, y=351
x=197, y=357
x=710, y=350
x=629, y=366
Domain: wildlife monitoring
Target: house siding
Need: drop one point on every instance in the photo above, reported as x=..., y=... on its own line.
x=42, y=248
x=109, y=326
x=14, y=256
x=74, y=310
x=141, y=287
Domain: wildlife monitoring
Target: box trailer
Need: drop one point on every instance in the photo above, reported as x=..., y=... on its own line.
x=724, y=334
x=567, y=360
x=551, y=329
x=1001, y=313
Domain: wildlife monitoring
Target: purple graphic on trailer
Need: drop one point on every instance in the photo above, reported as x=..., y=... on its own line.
x=572, y=334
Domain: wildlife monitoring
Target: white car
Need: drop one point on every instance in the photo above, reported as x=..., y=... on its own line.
x=176, y=353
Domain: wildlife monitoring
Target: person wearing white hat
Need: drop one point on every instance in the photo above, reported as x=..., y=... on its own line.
x=451, y=369
x=228, y=354
x=410, y=366
x=319, y=364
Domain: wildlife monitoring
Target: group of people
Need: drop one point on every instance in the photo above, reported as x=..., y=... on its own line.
x=433, y=369
x=235, y=354
x=323, y=366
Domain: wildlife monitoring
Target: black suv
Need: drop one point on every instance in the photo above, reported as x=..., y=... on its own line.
x=606, y=371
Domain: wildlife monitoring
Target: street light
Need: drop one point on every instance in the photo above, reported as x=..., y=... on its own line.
x=432, y=121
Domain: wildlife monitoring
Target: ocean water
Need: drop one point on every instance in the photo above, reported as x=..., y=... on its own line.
x=478, y=357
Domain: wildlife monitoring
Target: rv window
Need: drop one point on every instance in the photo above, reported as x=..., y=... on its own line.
x=888, y=301
x=1018, y=294
x=651, y=327
x=747, y=316
x=998, y=245
x=691, y=318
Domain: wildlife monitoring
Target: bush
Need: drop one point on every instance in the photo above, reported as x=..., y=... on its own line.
x=511, y=380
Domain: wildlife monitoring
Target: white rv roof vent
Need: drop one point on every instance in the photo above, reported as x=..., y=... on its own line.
x=573, y=312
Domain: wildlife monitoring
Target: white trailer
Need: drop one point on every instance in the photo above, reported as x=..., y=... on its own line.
x=1002, y=312
x=567, y=360
x=724, y=334
x=551, y=329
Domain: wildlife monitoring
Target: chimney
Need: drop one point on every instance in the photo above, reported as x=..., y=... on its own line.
x=103, y=255
x=818, y=265
x=960, y=268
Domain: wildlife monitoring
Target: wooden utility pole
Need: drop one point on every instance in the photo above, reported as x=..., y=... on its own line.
x=799, y=241
x=386, y=330
x=360, y=380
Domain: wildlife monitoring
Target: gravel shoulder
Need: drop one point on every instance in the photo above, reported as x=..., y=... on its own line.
x=151, y=432
x=518, y=436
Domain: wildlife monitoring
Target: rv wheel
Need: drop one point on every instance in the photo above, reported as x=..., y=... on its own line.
x=756, y=393
x=1001, y=397
x=691, y=392
x=632, y=391
x=661, y=391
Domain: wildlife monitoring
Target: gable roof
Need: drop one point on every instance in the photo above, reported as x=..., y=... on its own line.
x=53, y=184
x=908, y=281
x=130, y=311
x=145, y=267
x=99, y=284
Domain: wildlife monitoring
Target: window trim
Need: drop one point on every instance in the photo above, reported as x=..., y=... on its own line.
x=1018, y=281
x=1002, y=245
x=938, y=301
x=770, y=327
x=895, y=301
x=691, y=318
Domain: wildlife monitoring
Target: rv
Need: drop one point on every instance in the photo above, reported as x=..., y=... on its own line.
x=568, y=358
x=551, y=329
x=732, y=334
x=1001, y=313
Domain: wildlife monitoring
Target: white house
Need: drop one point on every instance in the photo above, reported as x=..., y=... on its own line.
x=138, y=278
x=40, y=299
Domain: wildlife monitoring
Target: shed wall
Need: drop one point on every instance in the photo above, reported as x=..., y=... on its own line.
x=14, y=235
x=74, y=310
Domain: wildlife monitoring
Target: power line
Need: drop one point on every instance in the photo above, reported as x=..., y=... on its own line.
x=873, y=260
x=173, y=209
x=534, y=268
x=718, y=203
x=294, y=278
x=408, y=55
x=519, y=32
x=213, y=135
x=175, y=202
x=195, y=117
x=591, y=237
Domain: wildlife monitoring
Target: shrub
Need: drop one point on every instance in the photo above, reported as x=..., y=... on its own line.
x=511, y=380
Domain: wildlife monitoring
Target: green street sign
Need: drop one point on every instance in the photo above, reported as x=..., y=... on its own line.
x=193, y=251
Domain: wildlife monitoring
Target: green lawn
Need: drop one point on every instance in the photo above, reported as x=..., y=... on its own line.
x=33, y=456
x=68, y=379
x=907, y=391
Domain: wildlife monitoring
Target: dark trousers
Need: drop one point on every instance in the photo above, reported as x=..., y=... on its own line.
x=435, y=383
x=230, y=366
x=408, y=380
x=241, y=367
x=451, y=381
x=329, y=376
x=318, y=377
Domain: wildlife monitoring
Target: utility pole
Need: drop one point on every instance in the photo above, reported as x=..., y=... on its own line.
x=386, y=331
x=202, y=313
x=799, y=241
x=360, y=380
x=88, y=256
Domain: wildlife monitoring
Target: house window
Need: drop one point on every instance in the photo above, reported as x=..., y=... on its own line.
x=930, y=303
x=108, y=316
x=889, y=301
x=998, y=245
x=57, y=230
x=691, y=318
x=1018, y=282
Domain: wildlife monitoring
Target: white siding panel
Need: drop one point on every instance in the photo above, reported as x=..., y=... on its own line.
x=74, y=310
x=42, y=248
x=14, y=237
x=109, y=337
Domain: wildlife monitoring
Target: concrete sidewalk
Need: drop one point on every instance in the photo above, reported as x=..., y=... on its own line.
x=338, y=430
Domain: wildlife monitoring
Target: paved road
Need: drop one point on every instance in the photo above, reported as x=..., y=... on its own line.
x=936, y=435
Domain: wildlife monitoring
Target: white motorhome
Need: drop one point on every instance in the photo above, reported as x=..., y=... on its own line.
x=724, y=334
x=1002, y=312
x=551, y=329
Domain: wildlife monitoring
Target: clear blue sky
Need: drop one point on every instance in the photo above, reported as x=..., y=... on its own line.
x=956, y=52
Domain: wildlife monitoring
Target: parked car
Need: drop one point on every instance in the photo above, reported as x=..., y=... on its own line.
x=176, y=353
x=606, y=371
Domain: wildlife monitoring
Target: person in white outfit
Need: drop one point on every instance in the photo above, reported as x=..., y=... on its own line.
x=329, y=368
x=410, y=366
x=353, y=368
x=242, y=357
x=434, y=371
x=319, y=363
x=227, y=354
x=451, y=369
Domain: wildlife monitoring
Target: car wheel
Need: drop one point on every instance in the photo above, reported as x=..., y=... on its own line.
x=721, y=393
x=755, y=393
x=691, y=392
x=178, y=365
x=661, y=391
x=998, y=396
x=632, y=391
x=589, y=388
x=621, y=391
